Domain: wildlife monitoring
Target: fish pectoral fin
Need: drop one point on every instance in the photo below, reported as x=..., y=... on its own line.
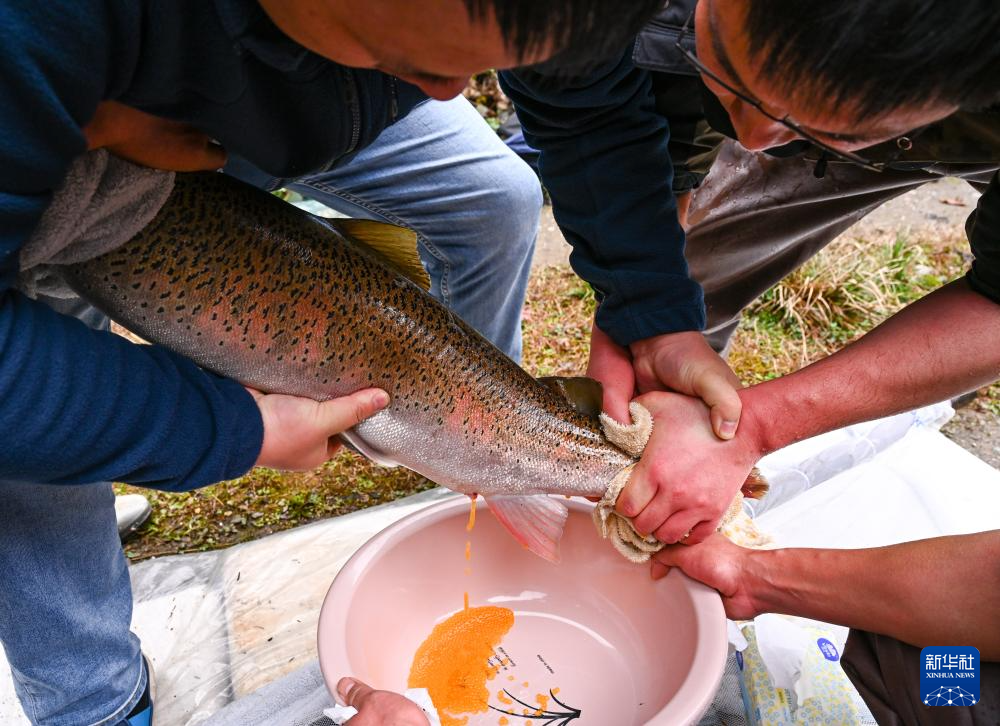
x=395, y=245
x=756, y=486
x=535, y=521
x=584, y=394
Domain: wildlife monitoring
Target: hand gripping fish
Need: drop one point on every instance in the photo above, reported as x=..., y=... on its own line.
x=254, y=289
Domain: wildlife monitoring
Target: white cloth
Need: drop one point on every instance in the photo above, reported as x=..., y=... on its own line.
x=343, y=714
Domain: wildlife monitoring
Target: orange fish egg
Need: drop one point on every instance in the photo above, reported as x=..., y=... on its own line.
x=452, y=663
x=472, y=514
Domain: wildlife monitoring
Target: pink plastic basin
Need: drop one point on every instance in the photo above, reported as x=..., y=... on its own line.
x=621, y=649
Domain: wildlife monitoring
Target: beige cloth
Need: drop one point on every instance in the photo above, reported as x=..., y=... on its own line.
x=632, y=439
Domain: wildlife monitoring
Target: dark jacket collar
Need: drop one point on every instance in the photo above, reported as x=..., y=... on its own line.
x=249, y=27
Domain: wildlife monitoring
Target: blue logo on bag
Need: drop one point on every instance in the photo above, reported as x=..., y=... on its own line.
x=949, y=676
x=828, y=649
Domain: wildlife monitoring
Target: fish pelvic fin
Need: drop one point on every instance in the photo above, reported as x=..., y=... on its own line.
x=397, y=246
x=358, y=445
x=535, y=521
x=756, y=486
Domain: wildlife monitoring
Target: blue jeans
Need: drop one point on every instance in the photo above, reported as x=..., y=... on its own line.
x=65, y=595
x=474, y=205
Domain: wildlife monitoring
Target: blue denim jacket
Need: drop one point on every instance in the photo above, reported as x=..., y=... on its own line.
x=77, y=405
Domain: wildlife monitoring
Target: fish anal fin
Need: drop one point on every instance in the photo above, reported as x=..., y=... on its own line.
x=395, y=245
x=535, y=521
x=584, y=394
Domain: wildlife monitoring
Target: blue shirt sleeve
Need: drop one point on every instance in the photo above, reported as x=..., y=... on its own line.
x=605, y=163
x=77, y=405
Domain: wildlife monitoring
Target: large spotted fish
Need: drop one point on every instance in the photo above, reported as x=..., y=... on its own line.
x=254, y=289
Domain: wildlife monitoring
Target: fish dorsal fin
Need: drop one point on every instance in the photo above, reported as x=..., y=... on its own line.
x=396, y=245
x=584, y=394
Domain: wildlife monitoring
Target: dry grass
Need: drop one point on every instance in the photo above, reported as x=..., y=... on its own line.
x=556, y=323
x=840, y=294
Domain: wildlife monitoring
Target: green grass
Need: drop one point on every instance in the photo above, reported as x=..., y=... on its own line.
x=840, y=294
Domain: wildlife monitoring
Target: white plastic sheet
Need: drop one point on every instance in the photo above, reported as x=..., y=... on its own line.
x=806, y=464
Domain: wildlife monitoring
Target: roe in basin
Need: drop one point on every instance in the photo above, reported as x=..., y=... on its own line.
x=592, y=635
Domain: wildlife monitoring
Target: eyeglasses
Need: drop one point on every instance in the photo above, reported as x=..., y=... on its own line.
x=828, y=150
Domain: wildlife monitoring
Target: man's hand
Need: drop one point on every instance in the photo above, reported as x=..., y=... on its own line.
x=150, y=140
x=718, y=563
x=687, y=477
x=611, y=364
x=379, y=708
x=681, y=362
x=299, y=433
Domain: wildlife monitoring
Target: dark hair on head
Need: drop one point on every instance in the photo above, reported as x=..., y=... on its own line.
x=580, y=32
x=874, y=56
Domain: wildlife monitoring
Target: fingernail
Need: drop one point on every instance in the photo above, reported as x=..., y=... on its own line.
x=380, y=399
x=728, y=429
x=344, y=687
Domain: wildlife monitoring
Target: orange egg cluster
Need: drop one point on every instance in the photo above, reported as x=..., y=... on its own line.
x=453, y=662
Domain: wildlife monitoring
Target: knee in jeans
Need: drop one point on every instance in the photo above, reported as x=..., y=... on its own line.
x=515, y=203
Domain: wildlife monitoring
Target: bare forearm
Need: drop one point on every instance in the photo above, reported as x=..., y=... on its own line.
x=942, y=591
x=945, y=344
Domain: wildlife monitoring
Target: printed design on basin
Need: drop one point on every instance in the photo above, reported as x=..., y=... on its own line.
x=549, y=716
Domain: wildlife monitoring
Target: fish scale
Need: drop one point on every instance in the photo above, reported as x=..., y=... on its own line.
x=254, y=289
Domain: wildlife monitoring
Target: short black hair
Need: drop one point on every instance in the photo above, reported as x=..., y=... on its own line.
x=581, y=32
x=874, y=56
